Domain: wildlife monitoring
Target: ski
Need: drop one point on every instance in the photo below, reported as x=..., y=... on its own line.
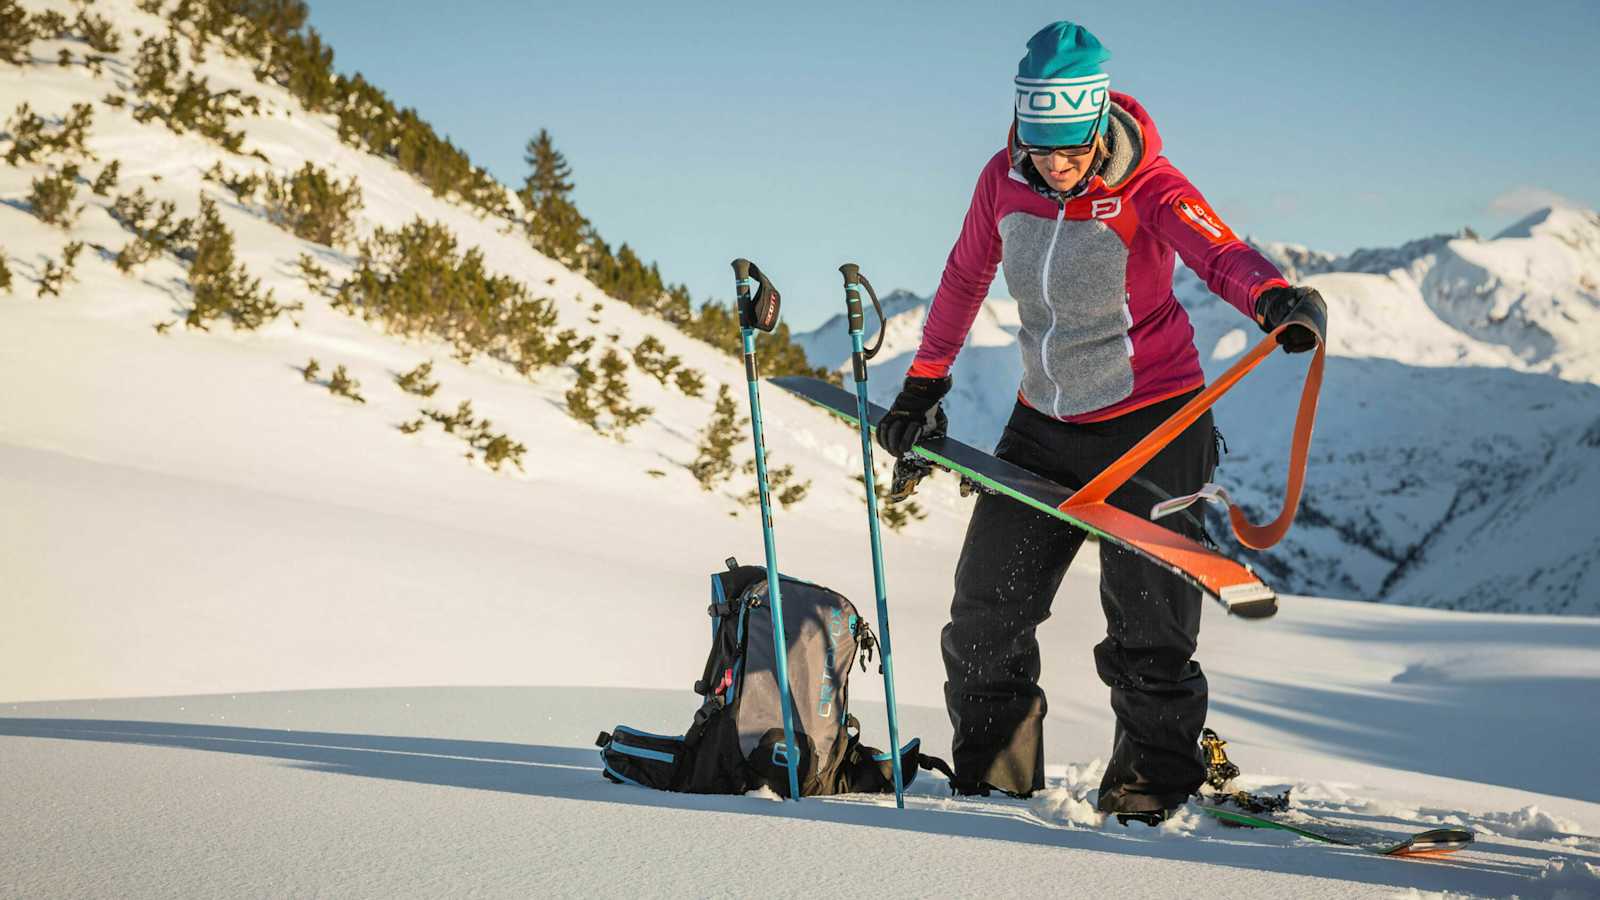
x=1427, y=843
x=1231, y=584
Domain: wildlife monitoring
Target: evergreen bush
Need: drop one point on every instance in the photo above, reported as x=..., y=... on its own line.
x=419, y=381
x=312, y=205
x=713, y=462
x=221, y=286
x=52, y=196
x=340, y=384
x=156, y=229
x=107, y=179
x=17, y=33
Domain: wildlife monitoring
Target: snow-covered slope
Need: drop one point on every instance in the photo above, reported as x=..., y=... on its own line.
x=327, y=658
x=1457, y=451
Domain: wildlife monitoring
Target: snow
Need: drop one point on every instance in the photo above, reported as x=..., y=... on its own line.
x=254, y=640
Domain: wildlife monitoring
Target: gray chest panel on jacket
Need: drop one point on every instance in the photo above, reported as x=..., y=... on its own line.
x=1076, y=356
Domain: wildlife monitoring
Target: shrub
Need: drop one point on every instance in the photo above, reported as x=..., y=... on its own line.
x=32, y=138
x=781, y=486
x=412, y=427
x=156, y=228
x=461, y=418
x=97, y=32
x=186, y=103
x=221, y=286
x=315, y=276
x=340, y=384
x=17, y=33
x=242, y=187
x=579, y=404
x=691, y=382
x=312, y=205
x=499, y=449
x=5, y=274
x=893, y=515
x=310, y=370
x=713, y=462
x=107, y=179
x=50, y=24
x=54, y=277
x=418, y=381
x=652, y=359
x=613, y=394
x=415, y=283
x=52, y=196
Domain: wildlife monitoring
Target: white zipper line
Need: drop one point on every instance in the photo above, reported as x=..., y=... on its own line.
x=1044, y=285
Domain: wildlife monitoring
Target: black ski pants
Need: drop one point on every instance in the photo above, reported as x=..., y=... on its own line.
x=1011, y=565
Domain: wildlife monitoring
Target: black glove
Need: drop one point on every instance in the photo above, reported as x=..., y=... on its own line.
x=914, y=413
x=1302, y=308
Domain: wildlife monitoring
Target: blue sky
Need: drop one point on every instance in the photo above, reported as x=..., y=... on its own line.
x=806, y=135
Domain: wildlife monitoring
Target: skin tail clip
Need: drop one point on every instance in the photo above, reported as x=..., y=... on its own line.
x=1256, y=537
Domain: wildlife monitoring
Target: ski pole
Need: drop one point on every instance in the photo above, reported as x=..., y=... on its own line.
x=760, y=310
x=854, y=281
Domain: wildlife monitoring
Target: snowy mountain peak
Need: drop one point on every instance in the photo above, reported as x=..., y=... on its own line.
x=1564, y=223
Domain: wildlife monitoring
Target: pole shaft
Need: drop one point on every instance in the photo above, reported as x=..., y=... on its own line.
x=858, y=358
x=780, y=643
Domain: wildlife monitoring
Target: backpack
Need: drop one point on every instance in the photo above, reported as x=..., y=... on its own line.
x=735, y=742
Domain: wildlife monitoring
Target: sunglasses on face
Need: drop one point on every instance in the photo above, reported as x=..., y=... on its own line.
x=1072, y=151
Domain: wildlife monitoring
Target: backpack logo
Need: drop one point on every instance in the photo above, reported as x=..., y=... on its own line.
x=827, y=690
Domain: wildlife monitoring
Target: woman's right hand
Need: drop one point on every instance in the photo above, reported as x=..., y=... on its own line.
x=915, y=412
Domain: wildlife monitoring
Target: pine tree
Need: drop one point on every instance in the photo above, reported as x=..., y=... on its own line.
x=52, y=196
x=895, y=516
x=17, y=33
x=342, y=385
x=713, y=462
x=419, y=380
x=557, y=229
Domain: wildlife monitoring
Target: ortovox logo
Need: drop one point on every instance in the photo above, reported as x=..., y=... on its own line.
x=1062, y=100
x=1197, y=215
x=825, y=693
x=1106, y=207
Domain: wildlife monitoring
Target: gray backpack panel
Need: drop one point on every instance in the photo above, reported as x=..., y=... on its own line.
x=821, y=627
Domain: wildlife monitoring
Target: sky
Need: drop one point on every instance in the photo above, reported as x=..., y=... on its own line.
x=807, y=135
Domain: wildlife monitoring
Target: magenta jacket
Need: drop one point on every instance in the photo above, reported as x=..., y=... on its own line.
x=1102, y=333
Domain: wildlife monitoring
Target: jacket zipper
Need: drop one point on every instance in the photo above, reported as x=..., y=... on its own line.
x=1044, y=287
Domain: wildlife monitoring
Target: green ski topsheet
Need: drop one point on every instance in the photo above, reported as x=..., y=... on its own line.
x=1015, y=482
x=1433, y=841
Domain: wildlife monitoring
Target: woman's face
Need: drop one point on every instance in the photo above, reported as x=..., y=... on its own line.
x=1063, y=169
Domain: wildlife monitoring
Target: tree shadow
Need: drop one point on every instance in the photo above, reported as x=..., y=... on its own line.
x=573, y=774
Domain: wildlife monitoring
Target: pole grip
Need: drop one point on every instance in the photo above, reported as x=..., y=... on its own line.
x=759, y=311
x=852, y=297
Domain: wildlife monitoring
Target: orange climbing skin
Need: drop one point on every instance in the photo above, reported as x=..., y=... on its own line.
x=1257, y=537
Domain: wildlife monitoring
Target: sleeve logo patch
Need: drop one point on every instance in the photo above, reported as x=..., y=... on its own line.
x=1197, y=215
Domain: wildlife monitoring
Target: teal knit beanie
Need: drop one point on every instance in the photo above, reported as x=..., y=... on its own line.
x=1062, y=89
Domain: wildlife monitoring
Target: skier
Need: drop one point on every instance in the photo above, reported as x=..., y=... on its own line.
x=1086, y=213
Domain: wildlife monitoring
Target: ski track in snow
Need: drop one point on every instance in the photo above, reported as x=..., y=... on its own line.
x=248, y=572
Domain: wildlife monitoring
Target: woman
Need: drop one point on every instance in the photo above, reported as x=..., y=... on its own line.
x=1086, y=214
